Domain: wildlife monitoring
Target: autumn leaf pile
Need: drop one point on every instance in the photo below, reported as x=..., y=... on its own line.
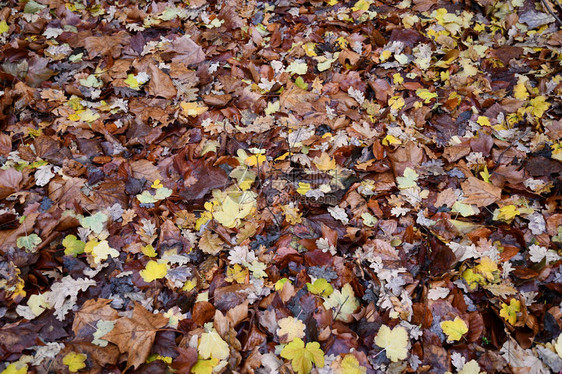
x=280, y=187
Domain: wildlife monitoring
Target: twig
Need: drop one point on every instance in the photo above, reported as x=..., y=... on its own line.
x=507, y=149
x=547, y=7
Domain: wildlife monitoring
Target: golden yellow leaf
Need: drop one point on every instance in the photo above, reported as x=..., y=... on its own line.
x=350, y=365
x=212, y=345
x=75, y=361
x=303, y=357
x=153, y=271
x=506, y=213
x=290, y=328
x=324, y=162
x=193, y=109
x=509, y=312
x=343, y=303
x=395, y=342
x=454, y=329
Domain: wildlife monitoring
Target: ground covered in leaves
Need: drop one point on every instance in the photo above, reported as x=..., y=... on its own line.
x=276, y=187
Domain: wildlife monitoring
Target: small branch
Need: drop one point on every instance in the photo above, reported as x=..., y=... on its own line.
x=552, y=13
x=507, y=149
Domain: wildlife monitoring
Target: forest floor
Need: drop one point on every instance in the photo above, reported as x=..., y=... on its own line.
x=277, y=187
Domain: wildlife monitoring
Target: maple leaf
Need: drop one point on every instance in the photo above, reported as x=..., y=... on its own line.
x=408, y=180
x=211, y=345
x=520, y=91
x=29, y=242
x=91, y=312
x=135, y=335
x=231, y=212
x=193, y=109
x=395, y=342
x=102, y=251
x=471, y=367
x=324, y=162
x=344, y=303
x=509, y=312
x=154, y=270
x=3, y=27
x=204, y=366
x=320, y=287
x=302, y=357
x=15, y=368
x=350, y=365
x=95, y=222
x=538, y=106
x=73, y=246
x=291, y=328
x=236, y=274
x=75, y=361
x=506, y=213
x=487, y=267
x=454, y=329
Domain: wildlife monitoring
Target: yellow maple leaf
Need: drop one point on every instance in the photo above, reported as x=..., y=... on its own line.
x=102, y=250
x=231, y=212
x=303, y=188
x=454, y=329
x=344, y=303
x=483, y=121
x=204, y=366
x=15, y=368
x=350, y=365
x=3, y=27
x=309, y=49
x=395, y=342
x=254, y=160
x=538, y=106
x=320, y=287
x=408, y=180
x=132, y=82
x=487, y=267
x=149, y=251
x=506, y=213
x=292, y=214
x=520, y=91
x=396, y=103
x=302, y=357
x=509, y=312
x=425, y=95
x=212, y=345
x=290, y=328
x=157, y=184
x=391, y=140
x=193, y=109
x=473, y=279
x=362, y=5
x=75, y=361
x=236, y=274
x=153, y=270
x=397, y=78
x=324, y=162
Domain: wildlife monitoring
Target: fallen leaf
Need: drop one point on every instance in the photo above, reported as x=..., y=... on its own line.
x=302, y=357
x=454, y=329
x=395, y=342
x=135, y=335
